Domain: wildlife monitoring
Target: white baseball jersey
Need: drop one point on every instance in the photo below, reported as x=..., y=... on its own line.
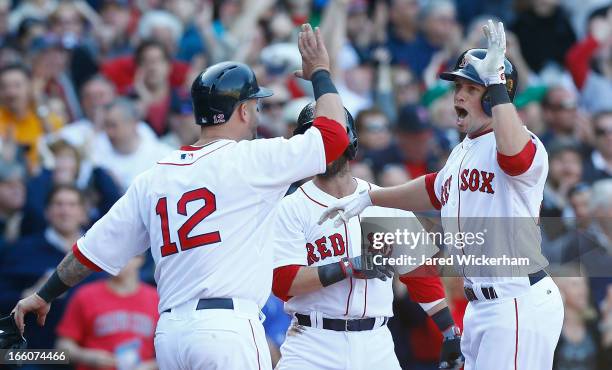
x=204, y=212
x=299, y=240
x=477, y=195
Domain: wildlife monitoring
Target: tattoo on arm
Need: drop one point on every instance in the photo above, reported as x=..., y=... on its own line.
x=71, y=271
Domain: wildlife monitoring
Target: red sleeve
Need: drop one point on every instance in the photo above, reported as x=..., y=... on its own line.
x=578, y=59
x=73, y=324
x=283, y=279
x=84, y=260
x=517, y=164
x=424, y=284
x=430, y=180
x=335, y=139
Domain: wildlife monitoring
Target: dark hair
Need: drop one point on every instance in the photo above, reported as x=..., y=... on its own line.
x=150, y=43
x=64, y=187
x=21, y=67
x=580, y=187
x=361, y=116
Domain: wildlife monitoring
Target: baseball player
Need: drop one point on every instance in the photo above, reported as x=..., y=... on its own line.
x=341, y=309
x=203, y=211
x=499, y=170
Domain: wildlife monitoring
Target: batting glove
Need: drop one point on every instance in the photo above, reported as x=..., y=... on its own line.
x=491, y=68
x=346, y=208
x=353, y=267
x=450, y=355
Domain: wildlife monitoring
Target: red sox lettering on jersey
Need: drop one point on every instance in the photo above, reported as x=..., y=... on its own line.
x=477, y=181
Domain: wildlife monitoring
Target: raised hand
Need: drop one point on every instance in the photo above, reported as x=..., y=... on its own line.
x=491, y=68
x=313, y=51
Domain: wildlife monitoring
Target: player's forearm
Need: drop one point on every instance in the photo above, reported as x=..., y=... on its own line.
x=328, y=100
x=68, y=273
x=411, y=196
x=306, y=281
x=510, y=135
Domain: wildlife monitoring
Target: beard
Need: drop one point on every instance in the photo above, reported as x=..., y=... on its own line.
x=338, y=166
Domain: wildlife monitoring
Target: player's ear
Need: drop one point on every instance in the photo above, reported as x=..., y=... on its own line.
x=243, y=111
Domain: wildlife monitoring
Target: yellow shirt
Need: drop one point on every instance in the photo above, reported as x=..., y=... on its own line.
x=26, y=131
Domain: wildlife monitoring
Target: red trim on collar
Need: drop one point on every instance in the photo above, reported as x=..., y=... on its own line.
x=308, y=196
x=480, y=133
x=191, y=148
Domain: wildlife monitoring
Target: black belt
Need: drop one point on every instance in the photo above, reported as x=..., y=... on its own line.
x=490, y=293
x=342, y=325
x=213, y=304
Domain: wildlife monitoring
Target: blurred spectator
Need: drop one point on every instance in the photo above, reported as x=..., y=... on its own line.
x=539, y=26
x=580, y=342
x=113, y=33
x=559, y=238
x=500, y=9
x=5, y=7
x=559, y=110
x=565, y=171
x=393, y=175
x=28, y=30
x=376, y=146
x=415, y=138
x=49, y=59
x=183, y=131
x=111, y=323
x=190, y=42
x=130, y=153
x=22, y=118
x=39, y=9
x=412, y=45
x=97, y=185
x=151, y=88
x=12, y=200
x=590, y=62
x=122, y=72
x=20, y=276
x=88, y=132
x=271, y=120
x=363, y=171
x=599, y=164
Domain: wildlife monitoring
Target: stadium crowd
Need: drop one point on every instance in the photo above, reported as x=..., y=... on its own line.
x=92, y=93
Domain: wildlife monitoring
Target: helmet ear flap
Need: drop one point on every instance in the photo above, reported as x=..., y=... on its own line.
x=486, y=104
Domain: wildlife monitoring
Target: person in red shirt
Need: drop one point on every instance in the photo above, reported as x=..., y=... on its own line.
x=110, y=324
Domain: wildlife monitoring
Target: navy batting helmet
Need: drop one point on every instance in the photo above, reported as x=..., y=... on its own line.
x=467, y=71
x=220, y=88
x=307, y=116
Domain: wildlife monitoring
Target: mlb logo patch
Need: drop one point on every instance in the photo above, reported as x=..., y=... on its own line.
x=187, y=156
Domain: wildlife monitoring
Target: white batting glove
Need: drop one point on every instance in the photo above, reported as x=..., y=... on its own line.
x=346, y=208
x=491, y=68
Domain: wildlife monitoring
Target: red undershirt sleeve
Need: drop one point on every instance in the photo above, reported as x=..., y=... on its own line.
x=283, y=279
x=517, y=164
x=335, y=139
x=430, y=180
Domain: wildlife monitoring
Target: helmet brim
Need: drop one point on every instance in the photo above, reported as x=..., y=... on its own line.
x=452, y=76
x=262, y=93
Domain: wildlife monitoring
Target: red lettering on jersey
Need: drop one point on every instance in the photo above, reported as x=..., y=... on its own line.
x=445, y=191
x=337, y=244
x=464, y=179
x=487, y=179
x=474, y=180
x=312, y=257
x=322, y=248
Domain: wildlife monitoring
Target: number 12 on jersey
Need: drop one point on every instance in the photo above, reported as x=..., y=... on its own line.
x=185, y=241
